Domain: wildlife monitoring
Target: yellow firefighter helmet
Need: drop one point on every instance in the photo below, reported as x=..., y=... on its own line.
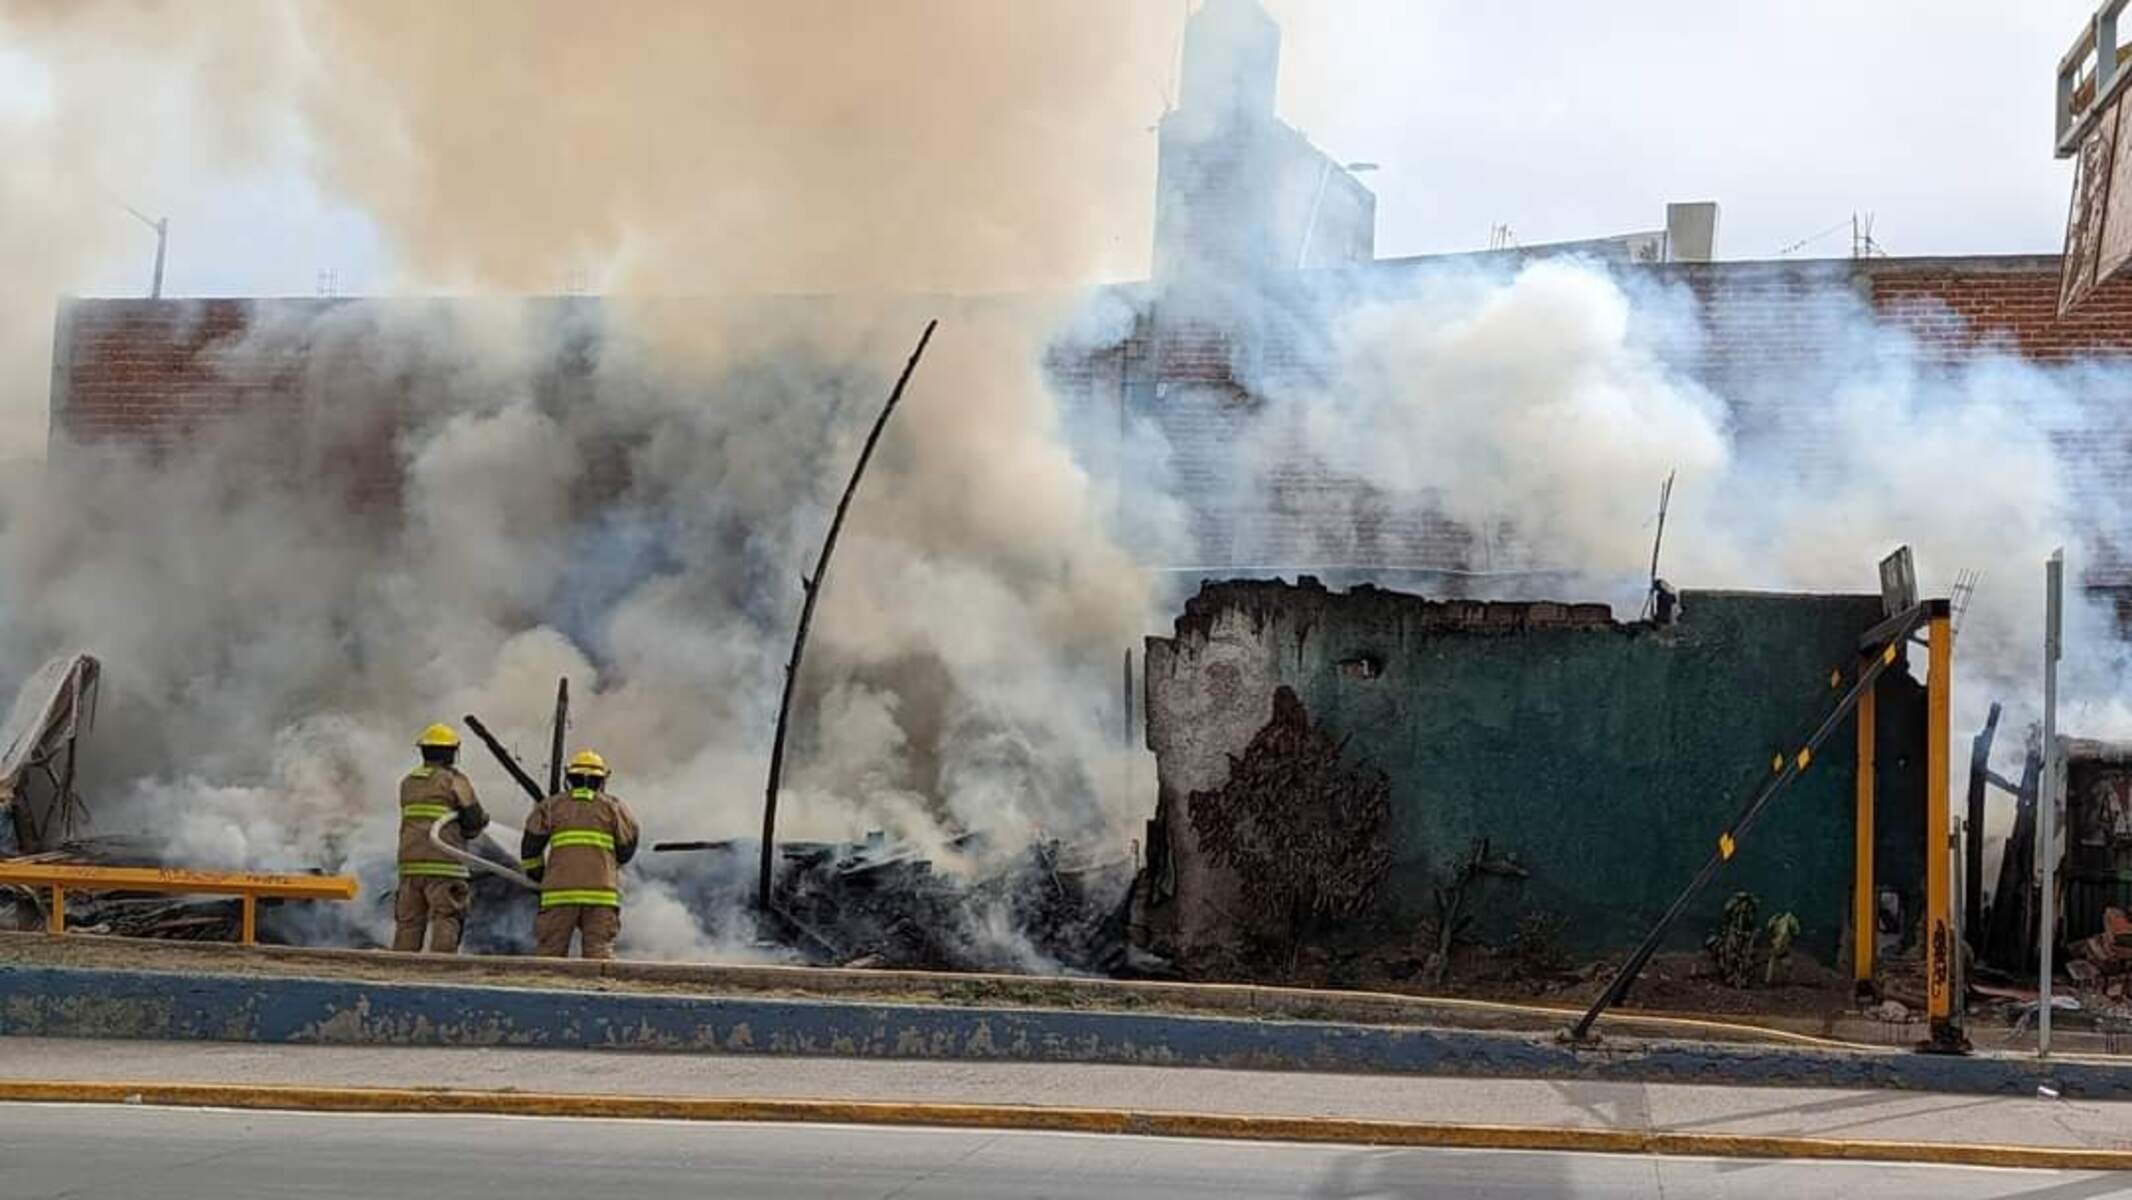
x=587, y=762
x=438, y=737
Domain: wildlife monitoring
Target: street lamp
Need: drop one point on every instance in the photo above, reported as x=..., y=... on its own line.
x=1324, y=177
x=162, y=239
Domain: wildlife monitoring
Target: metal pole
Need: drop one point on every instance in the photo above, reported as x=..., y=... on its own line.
x=1310, y=225
x=2047, y=797
x=162, y=239
x=161, y=225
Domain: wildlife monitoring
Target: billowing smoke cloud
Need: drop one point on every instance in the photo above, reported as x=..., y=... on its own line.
x=268, y=656
x=741, y=147
x=1542, y=406
x=627, y=493
x=640, y=526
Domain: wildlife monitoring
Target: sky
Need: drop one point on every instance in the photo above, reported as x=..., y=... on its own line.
x=1572, y=120
x=1561, y=120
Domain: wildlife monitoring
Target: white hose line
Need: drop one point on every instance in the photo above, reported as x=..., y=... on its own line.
x=436, y=838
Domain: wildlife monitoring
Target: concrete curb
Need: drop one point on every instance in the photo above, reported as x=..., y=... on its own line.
x=75, y=1002
x=963, y=988
x=1067, y=1120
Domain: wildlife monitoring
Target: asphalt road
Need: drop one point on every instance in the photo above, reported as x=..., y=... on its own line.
x=85, y=1152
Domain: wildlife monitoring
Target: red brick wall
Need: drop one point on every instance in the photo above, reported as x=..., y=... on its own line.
x=1950, y=305
x=145, y=375
x=153, y=376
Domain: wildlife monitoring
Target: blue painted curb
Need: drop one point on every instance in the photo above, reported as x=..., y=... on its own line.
x=85, y=1003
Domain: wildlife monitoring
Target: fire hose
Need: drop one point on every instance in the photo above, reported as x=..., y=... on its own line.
x=436, y=838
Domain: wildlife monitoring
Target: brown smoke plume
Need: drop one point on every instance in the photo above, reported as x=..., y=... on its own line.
x=740, y=147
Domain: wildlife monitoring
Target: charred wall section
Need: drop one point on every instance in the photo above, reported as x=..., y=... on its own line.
x=1604, y=757
x=2098, y=835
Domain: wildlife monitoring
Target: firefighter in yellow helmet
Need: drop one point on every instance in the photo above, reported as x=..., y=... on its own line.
x=576, y=844
x=434, y=890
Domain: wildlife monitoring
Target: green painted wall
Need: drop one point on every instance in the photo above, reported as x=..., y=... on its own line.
x=1605, y=758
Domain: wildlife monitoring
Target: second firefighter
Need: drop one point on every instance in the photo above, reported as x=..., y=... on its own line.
x=575, y=845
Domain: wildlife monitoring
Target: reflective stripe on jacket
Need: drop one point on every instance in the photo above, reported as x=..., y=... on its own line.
x=575, y=845
x=430, y=792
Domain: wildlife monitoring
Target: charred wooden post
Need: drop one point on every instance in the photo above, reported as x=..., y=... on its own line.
x=555, y=741
x=503, y=756
x=1973, y=834
x=811, y=585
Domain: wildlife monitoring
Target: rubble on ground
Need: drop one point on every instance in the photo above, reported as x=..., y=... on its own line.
x=130, y=914
x=886, y=903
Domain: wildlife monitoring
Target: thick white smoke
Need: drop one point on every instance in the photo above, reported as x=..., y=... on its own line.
x=269, y=656
x=625, y=493
x=1543, y=406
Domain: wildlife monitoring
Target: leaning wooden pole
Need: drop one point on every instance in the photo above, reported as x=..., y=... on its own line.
x=555, y=736
x=811, y=585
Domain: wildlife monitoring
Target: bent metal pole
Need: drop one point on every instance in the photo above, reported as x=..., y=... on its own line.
x=812, y=586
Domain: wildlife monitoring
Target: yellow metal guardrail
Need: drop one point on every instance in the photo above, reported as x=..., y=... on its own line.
x=247, y=886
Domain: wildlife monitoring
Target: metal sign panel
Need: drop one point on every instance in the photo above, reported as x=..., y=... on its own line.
x=1898, y=582
x=2089, y=77
x=2113, y=242
x=2092, y=174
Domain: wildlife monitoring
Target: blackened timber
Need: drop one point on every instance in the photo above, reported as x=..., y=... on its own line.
x=510, y=764
x=555, y=740
x=811, y=585
x=1973, y=837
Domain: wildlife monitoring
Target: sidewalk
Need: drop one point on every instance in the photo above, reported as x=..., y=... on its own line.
x=1850, y=1116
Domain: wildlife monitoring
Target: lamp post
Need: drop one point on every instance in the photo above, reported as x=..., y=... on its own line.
x=161, y=225
x=1317, y=200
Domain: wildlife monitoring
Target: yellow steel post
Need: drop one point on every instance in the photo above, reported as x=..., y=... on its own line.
x=1865, y=915
x=56, y=920
x=1939, y=891
x=249, y=927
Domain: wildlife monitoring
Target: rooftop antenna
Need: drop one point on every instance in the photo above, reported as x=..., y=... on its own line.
x=1965, y=586
x=161, y=225
x=1665, y=501
x=1862, y=243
